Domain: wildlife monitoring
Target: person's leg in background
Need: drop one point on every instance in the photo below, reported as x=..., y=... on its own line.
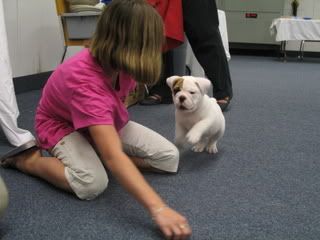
x=8, y=105
x=174, y=63
x=201, y=25
x=174, y=57
x=3, y=197
x=160, y=93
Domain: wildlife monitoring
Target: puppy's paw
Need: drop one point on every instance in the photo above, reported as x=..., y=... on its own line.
x=179, y=143
x=193, y=138
x=199, y=147
x=212, y=148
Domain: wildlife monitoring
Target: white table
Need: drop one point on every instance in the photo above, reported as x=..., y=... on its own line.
x=191, y=61
x=295, y=29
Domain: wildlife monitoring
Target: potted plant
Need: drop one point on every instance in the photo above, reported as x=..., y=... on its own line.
x=294, y=6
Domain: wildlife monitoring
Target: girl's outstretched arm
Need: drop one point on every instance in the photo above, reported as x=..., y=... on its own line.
x=108, y=143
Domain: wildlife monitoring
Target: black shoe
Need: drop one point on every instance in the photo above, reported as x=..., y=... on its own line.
x=155, y=99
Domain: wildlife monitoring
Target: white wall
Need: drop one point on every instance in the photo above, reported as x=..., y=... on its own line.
x=34, y=36
x=307, y=8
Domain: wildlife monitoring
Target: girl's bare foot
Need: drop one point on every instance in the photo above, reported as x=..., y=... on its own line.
x=8, y=162
x=22, y=160
x=10, y=158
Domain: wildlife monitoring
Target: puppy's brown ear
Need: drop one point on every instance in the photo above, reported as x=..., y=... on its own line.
x=171, y=79
x=204, y=84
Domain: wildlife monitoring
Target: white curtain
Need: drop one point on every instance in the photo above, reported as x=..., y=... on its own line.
x=8, y=105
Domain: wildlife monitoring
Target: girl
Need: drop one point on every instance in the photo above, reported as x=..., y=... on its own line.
x=82, y=121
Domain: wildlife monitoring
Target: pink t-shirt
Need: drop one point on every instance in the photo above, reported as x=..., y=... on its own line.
x=78, y=94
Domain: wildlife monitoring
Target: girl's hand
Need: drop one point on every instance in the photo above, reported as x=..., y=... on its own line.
x=171, y=223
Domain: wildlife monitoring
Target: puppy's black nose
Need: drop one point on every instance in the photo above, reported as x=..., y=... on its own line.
x=182, y=98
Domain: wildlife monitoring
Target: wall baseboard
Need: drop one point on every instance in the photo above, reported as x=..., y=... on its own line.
x=30, y=82
x=270, y=50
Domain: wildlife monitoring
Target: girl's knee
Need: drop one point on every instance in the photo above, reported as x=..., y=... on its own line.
x=87, y=184
x=174, y=157
x=168, y=160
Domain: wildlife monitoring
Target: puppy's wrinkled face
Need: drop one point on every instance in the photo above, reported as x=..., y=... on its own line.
x=186, y=92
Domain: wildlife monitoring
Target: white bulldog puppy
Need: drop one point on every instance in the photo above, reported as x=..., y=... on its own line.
x=199, y=119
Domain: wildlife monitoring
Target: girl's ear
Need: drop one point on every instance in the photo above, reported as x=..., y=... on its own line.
x=171, y=79
x=204, y=84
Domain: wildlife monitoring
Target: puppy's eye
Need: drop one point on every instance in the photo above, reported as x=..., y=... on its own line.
x=176, y=90
x=192, y=92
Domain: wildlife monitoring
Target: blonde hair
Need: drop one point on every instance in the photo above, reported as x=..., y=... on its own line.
x=129, y=37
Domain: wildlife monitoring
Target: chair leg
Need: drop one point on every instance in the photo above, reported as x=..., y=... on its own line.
x=64, y=53
x=283, y=50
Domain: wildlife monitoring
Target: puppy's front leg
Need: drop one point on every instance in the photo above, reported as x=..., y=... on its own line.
x=180, y=133
x=195, y=133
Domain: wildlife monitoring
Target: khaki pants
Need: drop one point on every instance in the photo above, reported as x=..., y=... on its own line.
x=85, y=171
x=3, y=197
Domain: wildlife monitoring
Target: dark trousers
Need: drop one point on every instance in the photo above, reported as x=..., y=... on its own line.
x=161, y=88
x=201, y=25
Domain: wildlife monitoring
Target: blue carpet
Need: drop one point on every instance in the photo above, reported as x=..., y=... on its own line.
x=263, y=184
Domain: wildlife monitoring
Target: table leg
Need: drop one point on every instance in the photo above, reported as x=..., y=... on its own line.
x=283, y=50
x=301, y=53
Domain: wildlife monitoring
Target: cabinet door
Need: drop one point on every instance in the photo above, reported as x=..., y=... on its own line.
x=248, y=21
x=250, y=30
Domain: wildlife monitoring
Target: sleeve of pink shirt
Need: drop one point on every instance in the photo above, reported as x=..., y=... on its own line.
x=91, y=106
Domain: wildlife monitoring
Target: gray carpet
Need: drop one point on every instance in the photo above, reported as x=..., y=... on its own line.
x=263, y=184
